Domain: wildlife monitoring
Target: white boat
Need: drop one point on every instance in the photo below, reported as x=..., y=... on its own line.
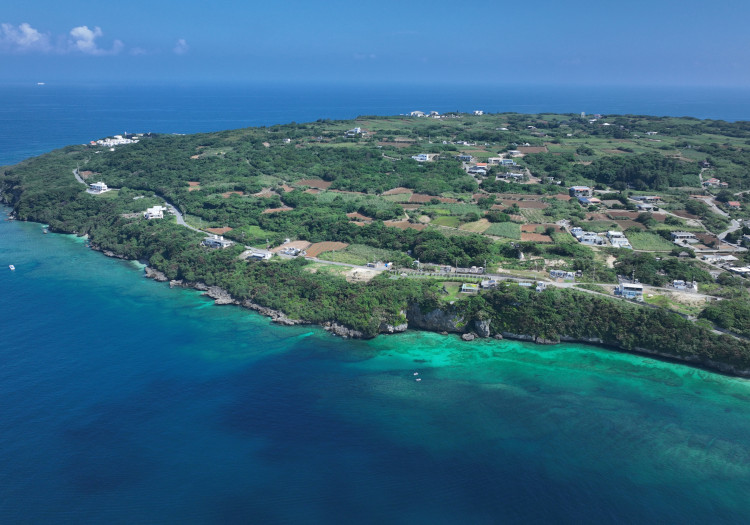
x=11, y=267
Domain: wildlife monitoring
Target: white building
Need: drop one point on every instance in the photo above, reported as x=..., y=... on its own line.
x=157, y=212
x=256, y=254
x=630, y=291
x=98, y=187
x=618, y=240
x=215, y=241
x=117, y=140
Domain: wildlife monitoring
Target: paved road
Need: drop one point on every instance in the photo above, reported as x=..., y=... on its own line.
x=172, y=208
x=178, y=215
x=736, y=225
x=78, y=177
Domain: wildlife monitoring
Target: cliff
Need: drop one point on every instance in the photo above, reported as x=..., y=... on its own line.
x=450, y=319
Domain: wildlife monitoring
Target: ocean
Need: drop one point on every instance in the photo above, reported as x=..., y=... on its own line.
x=126, y=401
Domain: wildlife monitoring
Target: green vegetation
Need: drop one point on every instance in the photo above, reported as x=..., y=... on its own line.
x=362, y=254
x=253, y=184
x=649, y=242
x=730, y=314
x=510, y=230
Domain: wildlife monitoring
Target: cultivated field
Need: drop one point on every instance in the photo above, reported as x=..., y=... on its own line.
x=319, y=247
x=479, y=226
x=510, y=230
x=649, y=241
x=359, y=254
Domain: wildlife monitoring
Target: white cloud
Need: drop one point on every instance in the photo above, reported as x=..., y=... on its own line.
x=23, y=38
x=181, y=47
x=85, y=41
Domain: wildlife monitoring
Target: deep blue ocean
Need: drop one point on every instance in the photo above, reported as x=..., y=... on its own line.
x=125, y=401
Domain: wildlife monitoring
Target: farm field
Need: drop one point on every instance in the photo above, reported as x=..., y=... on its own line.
x=649, y=241
x=359, y=254
x=510, y=230
x=319, y=247
x=479, y=226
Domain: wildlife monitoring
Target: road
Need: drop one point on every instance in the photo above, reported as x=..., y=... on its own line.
x=178, y=215
x=417, y=273
x=78, y=177
x=172, y=208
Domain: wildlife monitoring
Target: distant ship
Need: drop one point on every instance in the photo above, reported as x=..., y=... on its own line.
x=40, y=83
x=11, y=267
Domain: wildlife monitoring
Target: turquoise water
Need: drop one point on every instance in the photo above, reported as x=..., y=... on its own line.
x=126, y=401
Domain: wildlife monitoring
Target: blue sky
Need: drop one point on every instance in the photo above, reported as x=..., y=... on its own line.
x=657, y=42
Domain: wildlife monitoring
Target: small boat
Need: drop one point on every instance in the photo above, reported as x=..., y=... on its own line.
x=45, y=231
x=11, y=267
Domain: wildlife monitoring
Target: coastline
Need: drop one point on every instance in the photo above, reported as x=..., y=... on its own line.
x=480, y=329
x=437, y=321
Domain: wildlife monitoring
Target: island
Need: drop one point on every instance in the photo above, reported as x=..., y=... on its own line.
x=626, y=231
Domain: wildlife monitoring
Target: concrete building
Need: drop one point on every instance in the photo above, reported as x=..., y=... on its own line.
x=684, y=237
x=157, y=212
x=215, y=241
x=630, y=291
x=98, y=187
x=580, y=191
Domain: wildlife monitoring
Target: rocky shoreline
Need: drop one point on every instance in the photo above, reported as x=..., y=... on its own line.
x=437, y=320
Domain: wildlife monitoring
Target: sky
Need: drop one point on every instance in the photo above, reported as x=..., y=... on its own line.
x=578, y=42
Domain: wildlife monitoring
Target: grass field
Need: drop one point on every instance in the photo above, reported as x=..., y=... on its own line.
x=453, y=289
x=446, y=220
x=477, y=227
x=670, y=304
x=600, y=226
x=400, y=197
x=563, y=238
x=108, y=195
x=359, y=254
x=254, y=234
x=455, y=209
x=194, y=220
x=650, y=242
x=532, y=215
x=505, y=229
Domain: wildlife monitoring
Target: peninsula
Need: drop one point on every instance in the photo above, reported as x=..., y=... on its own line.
x=625, y=231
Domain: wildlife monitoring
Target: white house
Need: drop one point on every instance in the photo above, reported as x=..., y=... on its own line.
x=98, y=187
x=157, y=212
x=354, y=132
x=214, y=241
x=618, y=240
